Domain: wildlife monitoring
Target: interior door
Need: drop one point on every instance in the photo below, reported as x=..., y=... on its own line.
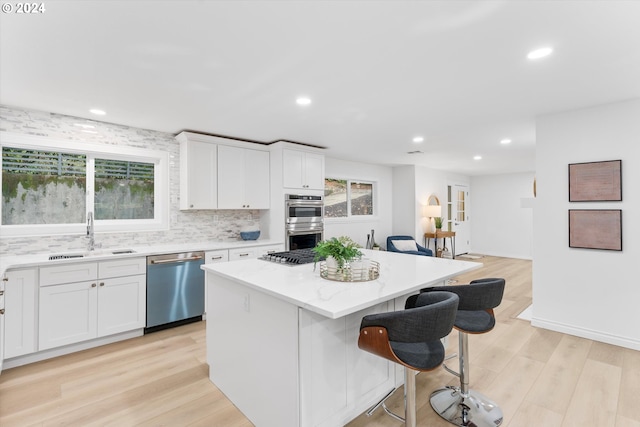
x=458, y=216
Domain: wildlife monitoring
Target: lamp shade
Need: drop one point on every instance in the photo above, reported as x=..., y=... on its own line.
x=432, y=211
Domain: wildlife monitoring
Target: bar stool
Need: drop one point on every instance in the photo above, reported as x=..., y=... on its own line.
x=460, y=405
x=411, y=338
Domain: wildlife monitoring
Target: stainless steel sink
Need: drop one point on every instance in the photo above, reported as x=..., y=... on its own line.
x=100, y=252
x=65, y=256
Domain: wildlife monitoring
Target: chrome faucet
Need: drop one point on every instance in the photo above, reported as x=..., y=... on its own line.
x=92, y=242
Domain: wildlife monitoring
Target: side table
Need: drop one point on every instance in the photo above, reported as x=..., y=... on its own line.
x=439, y=234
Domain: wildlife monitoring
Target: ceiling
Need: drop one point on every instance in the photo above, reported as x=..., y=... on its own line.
x=378, y=73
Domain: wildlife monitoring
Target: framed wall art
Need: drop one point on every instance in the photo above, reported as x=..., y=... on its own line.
x=595, y=181
x=595, y=229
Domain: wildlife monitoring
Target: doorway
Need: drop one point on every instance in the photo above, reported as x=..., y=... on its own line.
x=458, y=216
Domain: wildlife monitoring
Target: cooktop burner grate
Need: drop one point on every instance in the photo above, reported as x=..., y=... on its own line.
x=295, y=257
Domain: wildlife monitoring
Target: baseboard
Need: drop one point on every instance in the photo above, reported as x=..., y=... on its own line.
x=68, y=349
x=503, y=255
x=586, y=333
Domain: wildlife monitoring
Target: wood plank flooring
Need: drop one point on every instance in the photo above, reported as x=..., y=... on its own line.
x=539, y=377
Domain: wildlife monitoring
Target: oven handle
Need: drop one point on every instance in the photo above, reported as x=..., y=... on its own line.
x=300, y=232
x=310, y=203
x=167, y=261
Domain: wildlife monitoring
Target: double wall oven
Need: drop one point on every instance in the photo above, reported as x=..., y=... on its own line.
x=304, y=216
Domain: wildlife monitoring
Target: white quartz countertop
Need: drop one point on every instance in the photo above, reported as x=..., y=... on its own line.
x=400, y=274
x=40, y=259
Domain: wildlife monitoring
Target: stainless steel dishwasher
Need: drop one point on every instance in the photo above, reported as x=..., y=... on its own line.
x=175, y=290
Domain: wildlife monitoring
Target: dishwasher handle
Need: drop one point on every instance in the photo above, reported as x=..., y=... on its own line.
x=174, y=260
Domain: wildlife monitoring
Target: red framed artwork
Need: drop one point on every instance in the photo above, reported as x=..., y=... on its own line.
x=595, y=229
x=595, y=181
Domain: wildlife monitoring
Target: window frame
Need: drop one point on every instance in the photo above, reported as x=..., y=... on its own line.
x=92, y=151
x=350, y=217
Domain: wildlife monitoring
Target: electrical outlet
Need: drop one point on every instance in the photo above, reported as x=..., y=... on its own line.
x=247, y=306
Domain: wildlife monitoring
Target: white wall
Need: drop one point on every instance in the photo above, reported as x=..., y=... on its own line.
x=501, y=226
x=358, y=229
x=584, y=292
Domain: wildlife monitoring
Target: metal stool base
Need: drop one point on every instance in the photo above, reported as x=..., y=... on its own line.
x=474, y=409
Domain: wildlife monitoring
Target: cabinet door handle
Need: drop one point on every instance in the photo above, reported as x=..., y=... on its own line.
x=243, y=255
x=1, y=293
x=101, y=283
x=1, y=310
x=93, y=285
x=213, y=258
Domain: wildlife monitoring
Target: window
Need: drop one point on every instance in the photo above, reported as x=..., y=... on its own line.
x=123, y=190
x=49, y=187
x=348, y=198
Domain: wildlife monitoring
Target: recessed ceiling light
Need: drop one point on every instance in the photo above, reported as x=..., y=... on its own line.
x=418, y=139
x=477, y=157
x=97, y=112
x=303, y=100
x=540, y=53
x=89, y=131
x=505, y=141
x=84, y=126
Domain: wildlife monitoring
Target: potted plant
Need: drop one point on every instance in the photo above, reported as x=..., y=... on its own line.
x=438, y=221
x=341, y=249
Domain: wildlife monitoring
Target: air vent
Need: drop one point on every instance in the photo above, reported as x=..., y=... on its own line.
x=415, y=152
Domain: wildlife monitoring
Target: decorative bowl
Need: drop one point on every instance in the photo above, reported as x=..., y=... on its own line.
x=250, y=235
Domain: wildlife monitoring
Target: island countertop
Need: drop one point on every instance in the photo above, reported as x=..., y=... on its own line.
x=400, y=274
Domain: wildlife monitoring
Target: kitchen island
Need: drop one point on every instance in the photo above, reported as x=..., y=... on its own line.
x=282, y=341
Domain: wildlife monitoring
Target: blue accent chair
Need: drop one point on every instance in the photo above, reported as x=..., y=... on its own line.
x=421, y=249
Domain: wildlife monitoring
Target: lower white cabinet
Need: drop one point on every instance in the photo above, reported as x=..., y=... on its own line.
x=20, y=312
x=80, y=311
x=68, y=314
x=244, y=253
x=254, y=252
x=221, y=255
x=121, y=304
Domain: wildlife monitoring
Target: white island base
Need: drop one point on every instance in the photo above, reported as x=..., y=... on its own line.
x=282, y=342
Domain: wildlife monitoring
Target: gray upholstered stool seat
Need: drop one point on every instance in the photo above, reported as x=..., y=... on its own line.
x=460, y=405
x=411, y=337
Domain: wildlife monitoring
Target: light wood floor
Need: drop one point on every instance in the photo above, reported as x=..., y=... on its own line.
x=539, y=378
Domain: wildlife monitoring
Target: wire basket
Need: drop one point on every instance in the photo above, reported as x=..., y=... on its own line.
x=359, y=271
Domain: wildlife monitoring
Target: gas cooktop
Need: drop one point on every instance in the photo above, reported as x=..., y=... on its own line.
x=295, y=257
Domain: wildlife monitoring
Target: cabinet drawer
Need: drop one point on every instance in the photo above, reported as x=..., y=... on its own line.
x=216, y=256
x=265, y=250
x=245, y=253
x=122, y=267
x=68, y=273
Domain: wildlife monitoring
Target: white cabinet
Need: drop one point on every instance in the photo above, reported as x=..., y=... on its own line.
x=20, y=312
x=110, y=302
x=221, y=255
x=302, y=170
x=121, y=304
x=253, y=252
x=243, y=178
x=67, y=314
x=198, y=175
x=266, y=250
x=244, y=253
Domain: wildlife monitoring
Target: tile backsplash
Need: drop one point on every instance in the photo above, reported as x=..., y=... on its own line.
x=184, y=226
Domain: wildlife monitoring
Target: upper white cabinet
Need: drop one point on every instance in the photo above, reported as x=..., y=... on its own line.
x=20, y=312
x=243, y=178
x=303, y=170
x=198, y=174
x=222, y=173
